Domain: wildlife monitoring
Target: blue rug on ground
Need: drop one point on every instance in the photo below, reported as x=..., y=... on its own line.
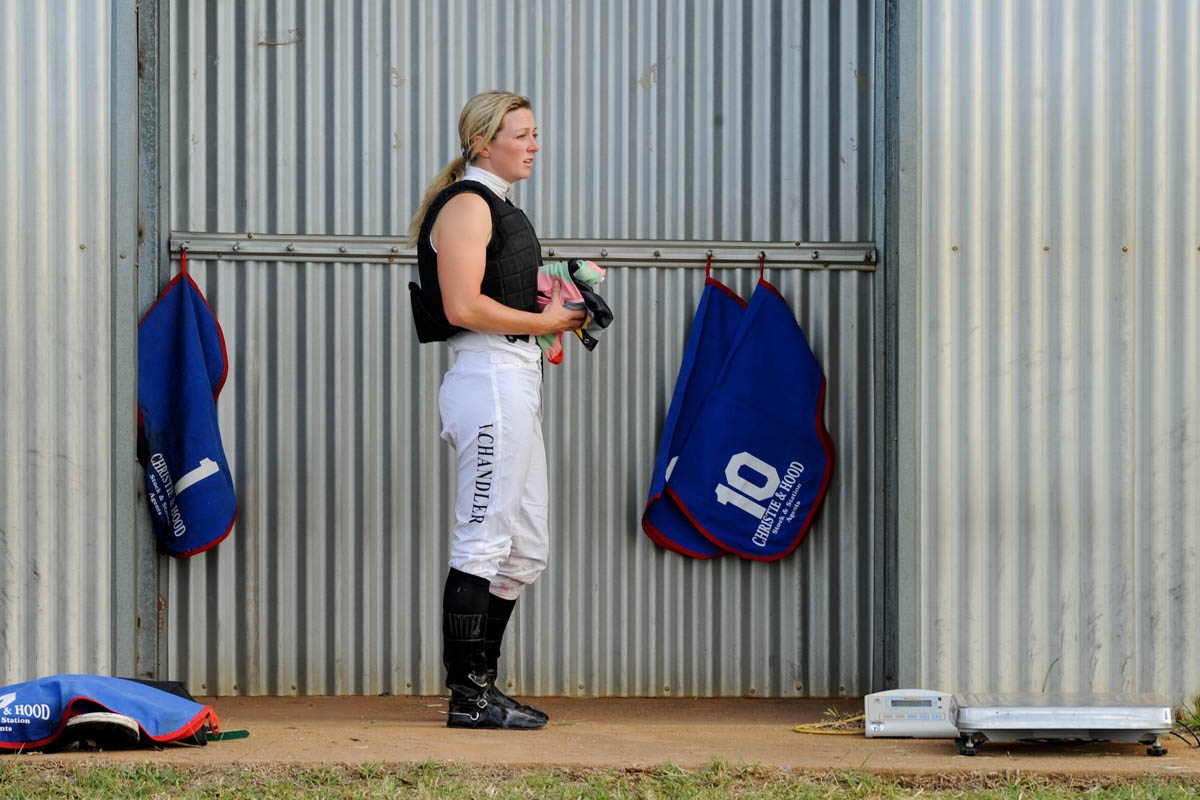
x=33, y=714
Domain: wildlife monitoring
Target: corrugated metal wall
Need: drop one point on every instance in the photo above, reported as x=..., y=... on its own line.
x=60, y=608
x=1054, y=214
x=660, y=120
x=738, y=121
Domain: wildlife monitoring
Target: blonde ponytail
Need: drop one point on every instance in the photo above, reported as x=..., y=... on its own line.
x=450, y=173
x=481, y=117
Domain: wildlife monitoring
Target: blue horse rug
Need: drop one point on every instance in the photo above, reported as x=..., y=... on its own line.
x=36, y=713
x=745, y=459
x=182, y=364
x=718, y=318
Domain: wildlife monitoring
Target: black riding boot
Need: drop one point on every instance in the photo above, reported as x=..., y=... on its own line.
x=499, y=612
x=464, y=620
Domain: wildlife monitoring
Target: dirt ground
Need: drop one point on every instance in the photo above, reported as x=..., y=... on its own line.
x=625, y=732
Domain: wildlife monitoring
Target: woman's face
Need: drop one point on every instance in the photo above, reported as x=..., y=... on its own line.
x=510, y=153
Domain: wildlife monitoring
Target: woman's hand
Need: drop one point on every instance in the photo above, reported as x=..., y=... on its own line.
x=558, y=317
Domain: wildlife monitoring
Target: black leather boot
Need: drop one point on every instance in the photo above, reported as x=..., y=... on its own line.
x=473, y=697
x=499, y=613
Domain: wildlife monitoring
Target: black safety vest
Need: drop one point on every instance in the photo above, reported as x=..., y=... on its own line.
x=510, y=276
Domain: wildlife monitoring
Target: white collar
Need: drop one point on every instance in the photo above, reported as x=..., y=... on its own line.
x=488, y=179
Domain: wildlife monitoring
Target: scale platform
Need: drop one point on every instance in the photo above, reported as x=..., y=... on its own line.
x=983, y=718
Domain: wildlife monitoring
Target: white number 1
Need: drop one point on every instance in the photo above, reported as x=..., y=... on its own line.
x=207, y=467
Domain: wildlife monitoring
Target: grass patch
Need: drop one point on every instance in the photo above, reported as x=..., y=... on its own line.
x=37, y=778
x=1189, y=713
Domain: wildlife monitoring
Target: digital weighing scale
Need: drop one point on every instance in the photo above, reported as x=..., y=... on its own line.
x=983, y=718
x=908, y=713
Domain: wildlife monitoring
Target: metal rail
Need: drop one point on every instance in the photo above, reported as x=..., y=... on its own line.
x=610, y=252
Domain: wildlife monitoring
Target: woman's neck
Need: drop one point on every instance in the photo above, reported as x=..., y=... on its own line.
x=488, y=179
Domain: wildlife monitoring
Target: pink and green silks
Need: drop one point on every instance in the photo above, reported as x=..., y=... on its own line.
x=577, y=281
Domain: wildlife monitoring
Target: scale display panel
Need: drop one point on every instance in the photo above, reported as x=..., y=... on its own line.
x=908, y=714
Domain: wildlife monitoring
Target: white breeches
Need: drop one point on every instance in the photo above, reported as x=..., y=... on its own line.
x=491, y=407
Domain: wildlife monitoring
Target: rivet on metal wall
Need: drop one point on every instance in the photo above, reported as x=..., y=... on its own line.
x=603, y=252
x=342, y=249
x=954, y=248
x=236, y=246
x=249, y=235
x=291, y=248
x=1125, y=248
x=550, y=252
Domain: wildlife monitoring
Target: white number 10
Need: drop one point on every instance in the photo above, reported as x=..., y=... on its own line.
x=741, y=492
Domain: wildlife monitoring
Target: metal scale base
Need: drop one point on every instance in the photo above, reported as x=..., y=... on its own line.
x=983, y=718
